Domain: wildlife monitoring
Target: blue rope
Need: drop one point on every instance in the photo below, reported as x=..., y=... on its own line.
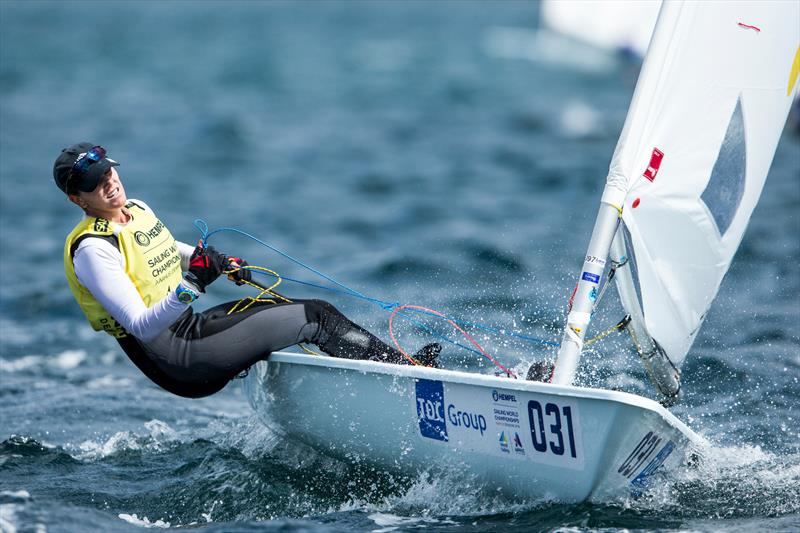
x=203, y=227
x=348, y=291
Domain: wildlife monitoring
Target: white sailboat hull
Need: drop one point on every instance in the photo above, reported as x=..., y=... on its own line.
x=584, y=443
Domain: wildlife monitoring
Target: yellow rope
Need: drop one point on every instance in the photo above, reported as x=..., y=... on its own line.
x=248, y=301
x=621, y=324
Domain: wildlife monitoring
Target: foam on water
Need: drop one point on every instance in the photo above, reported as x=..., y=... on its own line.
x=12, y=503
x=729, y=483
x=6, y=495
x=66, y=360
x=109, y=381
x=388, y=522
x=143, y=522
x=159, y=436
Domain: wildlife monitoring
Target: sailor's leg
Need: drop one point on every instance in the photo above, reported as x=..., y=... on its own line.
x=201, y=352
x=338, y=336
x=271, y=327
x=215, y=345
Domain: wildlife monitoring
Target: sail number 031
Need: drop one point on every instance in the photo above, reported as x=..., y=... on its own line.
x=551, y=427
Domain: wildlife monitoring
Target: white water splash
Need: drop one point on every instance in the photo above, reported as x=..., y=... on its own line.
x=15, y=495
x=66, y=360
x=729, y=482
x=14, y=501
x=109, y=381
x=390, y=522
x=160, y=434
x=143, y=522
x=8, y=518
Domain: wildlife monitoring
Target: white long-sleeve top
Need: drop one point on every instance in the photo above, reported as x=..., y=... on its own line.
x=100, y=267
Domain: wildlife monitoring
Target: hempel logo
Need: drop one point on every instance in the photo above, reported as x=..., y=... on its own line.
x=143, y=237
x=503, y=397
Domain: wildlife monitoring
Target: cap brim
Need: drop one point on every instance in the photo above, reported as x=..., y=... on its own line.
x=95, y=173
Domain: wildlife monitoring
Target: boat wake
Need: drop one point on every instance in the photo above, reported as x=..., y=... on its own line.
x=241, y=471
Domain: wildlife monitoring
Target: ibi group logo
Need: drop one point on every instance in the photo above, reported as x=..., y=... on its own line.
x=430, y=409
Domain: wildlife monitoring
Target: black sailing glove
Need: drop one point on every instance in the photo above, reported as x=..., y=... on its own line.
x=205, y=266
x=237, y=272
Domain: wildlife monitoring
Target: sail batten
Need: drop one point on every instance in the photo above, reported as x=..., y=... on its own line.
x=695, y=150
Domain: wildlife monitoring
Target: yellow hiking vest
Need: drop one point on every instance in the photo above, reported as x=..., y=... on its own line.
x=152, y=261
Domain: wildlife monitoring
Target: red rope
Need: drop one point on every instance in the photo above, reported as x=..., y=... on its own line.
x=456, y=326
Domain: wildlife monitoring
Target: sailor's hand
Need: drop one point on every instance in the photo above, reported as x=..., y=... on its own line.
x=237, y=272
x=205, y=266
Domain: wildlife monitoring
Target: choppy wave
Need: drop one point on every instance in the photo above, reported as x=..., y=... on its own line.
x=263, y=477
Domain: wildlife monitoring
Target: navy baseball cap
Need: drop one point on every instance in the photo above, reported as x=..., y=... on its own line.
x=80, y=167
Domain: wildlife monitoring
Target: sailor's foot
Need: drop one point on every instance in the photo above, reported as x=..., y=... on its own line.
x=540, y=371
x=428, y=354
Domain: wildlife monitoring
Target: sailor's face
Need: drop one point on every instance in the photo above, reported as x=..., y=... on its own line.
x=108, y=195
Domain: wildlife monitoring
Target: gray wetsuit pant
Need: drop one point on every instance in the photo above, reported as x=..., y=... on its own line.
x=201, y=352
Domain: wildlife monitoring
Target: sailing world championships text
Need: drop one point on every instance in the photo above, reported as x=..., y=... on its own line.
x=507, y=416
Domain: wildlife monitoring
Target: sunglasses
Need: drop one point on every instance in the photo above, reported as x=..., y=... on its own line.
x=82, y=165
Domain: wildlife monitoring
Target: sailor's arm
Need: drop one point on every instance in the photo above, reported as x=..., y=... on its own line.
x=186, y=251
x=98, y=266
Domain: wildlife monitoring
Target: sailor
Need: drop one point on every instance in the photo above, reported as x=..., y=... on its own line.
x=134, y=281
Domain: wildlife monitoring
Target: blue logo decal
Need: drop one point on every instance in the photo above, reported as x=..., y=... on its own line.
x=430, y=409
x=504, y=442
x=588, y=276
x=465, y=419
x=641, y=480
x=593, y=294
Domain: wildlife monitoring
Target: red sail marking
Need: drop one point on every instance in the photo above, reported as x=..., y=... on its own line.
x=655, y=164
x=749, y=27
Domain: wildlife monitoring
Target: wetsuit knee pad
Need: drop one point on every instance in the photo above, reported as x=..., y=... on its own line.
x=317, y=311
x=329, y=320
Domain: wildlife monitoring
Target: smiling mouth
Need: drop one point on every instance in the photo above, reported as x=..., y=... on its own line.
x=113, y=194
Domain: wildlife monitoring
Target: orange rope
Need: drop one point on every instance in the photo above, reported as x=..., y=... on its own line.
x=456, y=326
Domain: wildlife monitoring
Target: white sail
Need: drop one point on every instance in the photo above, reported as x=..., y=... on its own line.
x=611, y=24
x=706, y=117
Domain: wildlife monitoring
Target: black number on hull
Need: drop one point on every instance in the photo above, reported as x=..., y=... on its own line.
x=557, y=427
x=537, y=426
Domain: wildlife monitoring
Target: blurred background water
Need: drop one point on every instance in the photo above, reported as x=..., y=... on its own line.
x=407, y=149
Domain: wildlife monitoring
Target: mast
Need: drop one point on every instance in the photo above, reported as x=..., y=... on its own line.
x=662, y=372
x=580, y=314
x=607, y=241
